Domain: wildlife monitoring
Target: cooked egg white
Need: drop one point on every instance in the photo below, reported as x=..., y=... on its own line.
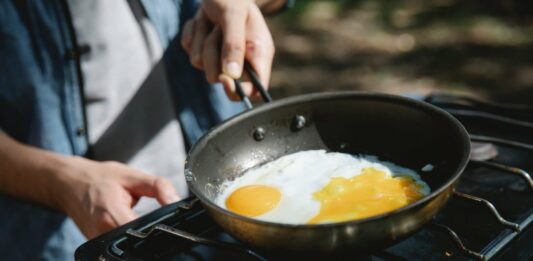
x=315, y=186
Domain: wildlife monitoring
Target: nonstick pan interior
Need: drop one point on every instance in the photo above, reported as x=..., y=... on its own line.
x=407, y=133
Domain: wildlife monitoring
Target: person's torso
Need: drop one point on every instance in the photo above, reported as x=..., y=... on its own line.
x=41, y=104
x=130, y=110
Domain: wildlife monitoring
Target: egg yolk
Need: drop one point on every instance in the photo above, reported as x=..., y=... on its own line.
x=371, y=193
x=253, y=200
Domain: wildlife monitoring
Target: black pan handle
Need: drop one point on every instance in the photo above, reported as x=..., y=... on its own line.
x=257, y=84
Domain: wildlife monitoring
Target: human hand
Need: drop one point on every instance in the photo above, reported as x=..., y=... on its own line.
x=100, y=196
x=221, y=35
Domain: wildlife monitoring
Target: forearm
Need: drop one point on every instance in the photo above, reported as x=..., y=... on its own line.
x=98, y=196
x=270, y=6
x=29, y=173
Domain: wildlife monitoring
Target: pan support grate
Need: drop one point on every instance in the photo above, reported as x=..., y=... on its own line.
x=454, y=237
x=194, y=238
x=477, y=200
x=520, y=145
x=504, y=117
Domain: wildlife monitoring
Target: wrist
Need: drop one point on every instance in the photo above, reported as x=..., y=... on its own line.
x=34, y=174
x=64, y=183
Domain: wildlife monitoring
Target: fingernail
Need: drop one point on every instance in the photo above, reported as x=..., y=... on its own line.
x=233, y=70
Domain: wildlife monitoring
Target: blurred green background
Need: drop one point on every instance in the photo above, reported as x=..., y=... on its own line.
x=479, y=47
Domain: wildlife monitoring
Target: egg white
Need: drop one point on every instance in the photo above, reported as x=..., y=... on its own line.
x=297, y=176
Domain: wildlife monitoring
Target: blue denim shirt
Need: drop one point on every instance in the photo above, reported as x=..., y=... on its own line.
x=41, y=104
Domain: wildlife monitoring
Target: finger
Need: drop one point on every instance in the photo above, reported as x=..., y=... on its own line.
x=259, y=45
x=165, y=191
x=134, y=200
x=201, y=30
x=229, y=87
x=141, y=184
x=186, y=38
x=254, y=93
x=233, y=43
x=121, y=214
x=211, y=55
x=116, y=213
x=106, y=223
x=249, y=88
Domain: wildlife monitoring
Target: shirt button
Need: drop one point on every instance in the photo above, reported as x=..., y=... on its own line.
x=84, y=49
x=80, y=131
x=71, y=54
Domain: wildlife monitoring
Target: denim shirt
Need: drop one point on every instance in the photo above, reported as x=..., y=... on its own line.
x=42, y=104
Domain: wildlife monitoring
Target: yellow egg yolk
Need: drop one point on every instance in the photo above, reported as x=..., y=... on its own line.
x=253, y=200
x=371, y=193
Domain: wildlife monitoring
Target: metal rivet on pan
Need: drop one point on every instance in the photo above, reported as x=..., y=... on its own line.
x=259, y=134
x=188, y=175
x=298, y=122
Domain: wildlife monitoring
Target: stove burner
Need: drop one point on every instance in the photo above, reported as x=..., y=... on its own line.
x=483, y=151
x=489, y=217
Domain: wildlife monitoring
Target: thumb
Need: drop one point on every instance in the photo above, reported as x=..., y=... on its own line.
x=141, y=184
x=233, y=43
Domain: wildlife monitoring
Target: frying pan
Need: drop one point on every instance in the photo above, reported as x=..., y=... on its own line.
x=406, y=132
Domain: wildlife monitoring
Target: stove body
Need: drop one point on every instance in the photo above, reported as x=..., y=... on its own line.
x=490, y=216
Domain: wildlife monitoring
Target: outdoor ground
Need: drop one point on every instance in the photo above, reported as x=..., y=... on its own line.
x=484, y=47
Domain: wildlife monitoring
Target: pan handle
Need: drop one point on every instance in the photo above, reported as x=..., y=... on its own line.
x=257, y=84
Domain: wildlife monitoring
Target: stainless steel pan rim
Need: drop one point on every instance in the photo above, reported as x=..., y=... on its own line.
x=323, y=97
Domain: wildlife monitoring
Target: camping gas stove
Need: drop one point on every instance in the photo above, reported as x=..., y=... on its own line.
x=490, y=216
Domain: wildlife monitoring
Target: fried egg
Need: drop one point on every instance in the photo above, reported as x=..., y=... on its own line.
x=315, y=186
